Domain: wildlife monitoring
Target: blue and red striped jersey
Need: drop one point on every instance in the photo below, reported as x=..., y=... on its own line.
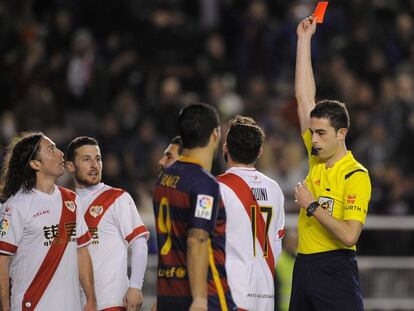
x=186, y=196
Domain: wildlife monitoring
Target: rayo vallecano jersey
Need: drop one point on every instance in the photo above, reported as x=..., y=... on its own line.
x=114, y=222
x=255, y=227
x=42, y=232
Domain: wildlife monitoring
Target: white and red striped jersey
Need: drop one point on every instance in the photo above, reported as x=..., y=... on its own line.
x=254, y=229
x=42, y=232
x=114, y=222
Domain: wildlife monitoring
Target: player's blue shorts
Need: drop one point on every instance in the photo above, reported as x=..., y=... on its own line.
x=326, y=281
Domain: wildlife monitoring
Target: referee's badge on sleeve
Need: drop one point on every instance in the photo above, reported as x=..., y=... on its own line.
x=204, y=207
x=327, y=204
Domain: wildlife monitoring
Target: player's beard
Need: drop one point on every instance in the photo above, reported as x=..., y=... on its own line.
x=84, y=181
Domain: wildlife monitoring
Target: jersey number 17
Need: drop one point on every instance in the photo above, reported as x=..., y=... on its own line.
x=260, y=227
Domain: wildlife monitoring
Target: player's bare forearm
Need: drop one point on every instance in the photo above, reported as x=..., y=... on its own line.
x=86, y=278
x=305, y=89
x=4, y=283
x=197, y=265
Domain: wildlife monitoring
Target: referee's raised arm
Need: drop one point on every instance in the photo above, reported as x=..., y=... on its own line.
x=304, y=82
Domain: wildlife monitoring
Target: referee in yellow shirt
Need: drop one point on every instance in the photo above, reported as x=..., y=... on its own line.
x=333, y=200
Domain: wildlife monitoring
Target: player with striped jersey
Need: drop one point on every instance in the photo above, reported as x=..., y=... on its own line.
x=43, y=236
x=115, y=225
x=255, y=218
x=190, y=221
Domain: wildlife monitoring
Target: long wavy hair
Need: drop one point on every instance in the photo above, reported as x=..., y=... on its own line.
x=17, y=172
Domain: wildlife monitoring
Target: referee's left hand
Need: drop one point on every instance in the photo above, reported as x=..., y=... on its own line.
x=303, y=197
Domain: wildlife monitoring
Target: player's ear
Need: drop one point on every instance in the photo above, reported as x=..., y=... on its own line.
x=35, y=164
x=342, y=133
x=260, y=152
x=70, y=166
x=216, y=134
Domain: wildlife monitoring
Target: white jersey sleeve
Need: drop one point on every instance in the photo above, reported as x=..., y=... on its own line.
x=128, y=219
x=12, y=223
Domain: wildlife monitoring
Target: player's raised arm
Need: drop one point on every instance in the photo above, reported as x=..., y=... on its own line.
x=304, y=82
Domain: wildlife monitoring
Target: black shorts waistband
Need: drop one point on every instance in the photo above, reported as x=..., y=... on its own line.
x=336, y=252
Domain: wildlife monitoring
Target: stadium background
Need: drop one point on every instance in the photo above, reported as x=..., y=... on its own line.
x=121, y=70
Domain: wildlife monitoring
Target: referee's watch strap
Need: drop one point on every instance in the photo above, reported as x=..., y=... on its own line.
x=310, y=210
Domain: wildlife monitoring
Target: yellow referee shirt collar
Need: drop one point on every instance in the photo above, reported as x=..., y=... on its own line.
x=346, y=157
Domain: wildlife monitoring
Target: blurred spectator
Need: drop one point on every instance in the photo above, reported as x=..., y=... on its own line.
x=86, y=75
x=68, y=69
x=257, y=51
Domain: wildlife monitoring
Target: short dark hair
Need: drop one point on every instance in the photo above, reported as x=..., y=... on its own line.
x=77, y=143
x=244, y=139
x=334, y=111
x=17, y=172
x=177, y=141
x=196, y=122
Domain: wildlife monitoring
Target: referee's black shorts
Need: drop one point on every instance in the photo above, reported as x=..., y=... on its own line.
x=326, y=281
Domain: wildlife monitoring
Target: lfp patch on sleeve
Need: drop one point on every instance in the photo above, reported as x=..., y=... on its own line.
x=4, y=227
x=204, y=207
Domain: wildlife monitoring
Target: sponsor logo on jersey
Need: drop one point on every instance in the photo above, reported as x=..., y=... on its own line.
x=173, y=272
x=96, y=210
x=70, y=205
x=327, y=204
x=257, y=295
x=204, y=207
x=41, y=213
x=254, y=179
x=4, y=227
x=53, y=237
x=351, y=198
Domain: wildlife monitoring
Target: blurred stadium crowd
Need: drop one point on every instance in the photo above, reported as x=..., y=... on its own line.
x=121, y=70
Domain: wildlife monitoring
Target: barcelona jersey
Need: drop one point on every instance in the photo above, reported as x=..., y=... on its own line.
x=187, y=197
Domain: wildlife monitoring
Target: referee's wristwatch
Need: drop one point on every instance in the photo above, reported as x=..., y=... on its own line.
x=311, y=208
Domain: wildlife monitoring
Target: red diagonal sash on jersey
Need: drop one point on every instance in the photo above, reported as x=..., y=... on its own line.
x=245, y=195
x=100, y=205
x=54, y=255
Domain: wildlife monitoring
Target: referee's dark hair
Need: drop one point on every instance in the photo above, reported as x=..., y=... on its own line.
x=244, y=139
x=334, y=111
x=196, y=124
x=77, y=143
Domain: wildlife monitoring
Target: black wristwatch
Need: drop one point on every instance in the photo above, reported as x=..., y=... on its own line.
x=311, y=208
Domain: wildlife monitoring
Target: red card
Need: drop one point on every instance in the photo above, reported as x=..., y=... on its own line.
x=320, y=11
